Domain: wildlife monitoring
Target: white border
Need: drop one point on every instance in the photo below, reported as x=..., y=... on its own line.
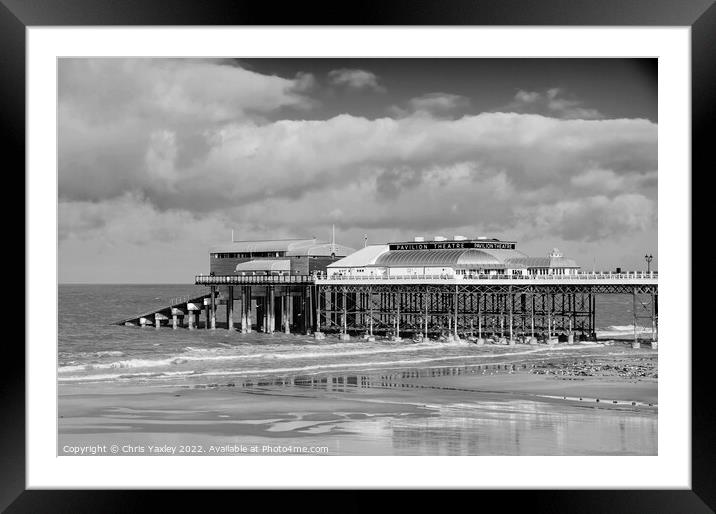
x=672, y=466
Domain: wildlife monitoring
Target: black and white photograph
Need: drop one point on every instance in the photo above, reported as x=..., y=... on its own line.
x=357, y=256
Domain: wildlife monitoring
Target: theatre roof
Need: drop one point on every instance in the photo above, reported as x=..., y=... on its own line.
x=457, y=258
x=363, y=257
x=291, y=247
x=265, y=265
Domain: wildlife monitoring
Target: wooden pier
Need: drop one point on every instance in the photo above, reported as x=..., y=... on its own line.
x=509, y=308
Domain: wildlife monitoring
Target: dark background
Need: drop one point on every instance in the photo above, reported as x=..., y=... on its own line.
x=16, y=15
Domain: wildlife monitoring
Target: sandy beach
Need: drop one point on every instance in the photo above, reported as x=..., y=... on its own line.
x=582, y=400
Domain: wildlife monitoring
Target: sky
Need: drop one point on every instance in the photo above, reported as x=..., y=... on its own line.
x=159, y=159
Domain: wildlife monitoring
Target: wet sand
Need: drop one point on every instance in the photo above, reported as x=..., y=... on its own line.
x=530, y=406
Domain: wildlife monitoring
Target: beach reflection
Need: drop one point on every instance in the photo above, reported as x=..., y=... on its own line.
x=525, y=428
x=482, y=423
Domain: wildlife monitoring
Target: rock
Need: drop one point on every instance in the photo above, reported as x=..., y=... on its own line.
x=344, y=337
x=319, y=335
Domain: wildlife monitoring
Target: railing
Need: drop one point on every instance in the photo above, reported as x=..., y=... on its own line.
x=310, y=279
x=252, y=279
x=630, y=275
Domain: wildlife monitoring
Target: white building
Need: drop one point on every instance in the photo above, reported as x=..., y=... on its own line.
x=459, y=256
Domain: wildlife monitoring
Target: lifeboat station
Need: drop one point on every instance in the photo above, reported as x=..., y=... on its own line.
x=478, y=289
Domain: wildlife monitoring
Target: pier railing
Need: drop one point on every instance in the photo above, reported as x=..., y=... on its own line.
x=630, y=275
x=627, y=276
x=218, y=280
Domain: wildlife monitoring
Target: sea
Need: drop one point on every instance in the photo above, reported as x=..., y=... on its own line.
x=90, y=348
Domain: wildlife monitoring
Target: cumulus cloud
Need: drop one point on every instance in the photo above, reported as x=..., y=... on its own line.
x=114, y=114
x=147, y=157
x=552, y=103
x=356, y=79
x=248, y=162
x=594, y=218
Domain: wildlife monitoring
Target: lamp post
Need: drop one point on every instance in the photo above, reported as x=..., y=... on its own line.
x=648, y=259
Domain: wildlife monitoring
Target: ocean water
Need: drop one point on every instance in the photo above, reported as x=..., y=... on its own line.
x=92, y=349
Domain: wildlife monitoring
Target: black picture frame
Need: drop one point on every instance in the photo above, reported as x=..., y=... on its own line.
x=700, y=15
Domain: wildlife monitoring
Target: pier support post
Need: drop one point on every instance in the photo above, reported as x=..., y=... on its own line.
x=654, y=299
x=532, y=316
x=318, y=334
x=457, y=337
x=264, y=309
x=272, y=311
x=479, y=326
x=285, y=307
x=344, y=299
x=213, y=308
x=243, y=310
x=249, y=304
x=230, y=310
x=397, y=321
x=174, y=321
x=511, y=300
x=426, y=299
x=635, y=344
x=191, y=320
x=370, y=307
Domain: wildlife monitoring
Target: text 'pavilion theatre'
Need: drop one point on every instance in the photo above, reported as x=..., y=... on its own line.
x=458, y=257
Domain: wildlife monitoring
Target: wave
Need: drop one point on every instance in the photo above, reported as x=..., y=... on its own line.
x=109, y=353
x=211, y=354
x=621, y=330
x=124, y=376
x=344, y=366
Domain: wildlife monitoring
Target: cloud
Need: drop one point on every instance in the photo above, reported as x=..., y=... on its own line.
x=129, y=219
x=114, y=114
x=148, y=158
x=594, y=218
x=297, y=162
x=177, y=89
x=552, y=103
x=356, y=79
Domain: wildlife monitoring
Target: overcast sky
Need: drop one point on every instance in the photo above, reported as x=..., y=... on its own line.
x=160, y=159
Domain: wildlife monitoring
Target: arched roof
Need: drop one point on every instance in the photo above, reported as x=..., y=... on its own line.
x=264, y=265
x=462, y=258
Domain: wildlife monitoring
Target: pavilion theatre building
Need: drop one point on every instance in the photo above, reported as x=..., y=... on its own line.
x=459, y=256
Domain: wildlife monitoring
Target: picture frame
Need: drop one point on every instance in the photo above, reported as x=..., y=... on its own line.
x=17, y=15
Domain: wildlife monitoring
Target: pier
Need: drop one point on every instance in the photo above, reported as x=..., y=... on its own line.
x=510, y=307
x=476, y=289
